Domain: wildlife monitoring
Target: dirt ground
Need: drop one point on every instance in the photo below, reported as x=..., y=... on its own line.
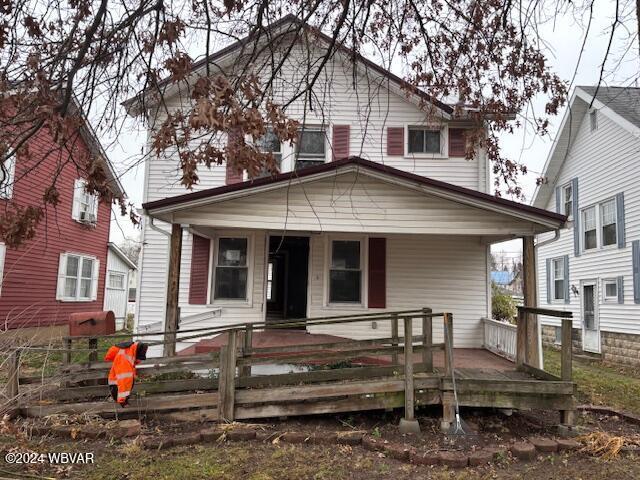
x=254, y=460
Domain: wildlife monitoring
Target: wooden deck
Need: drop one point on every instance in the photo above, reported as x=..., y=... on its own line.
x=322, y=375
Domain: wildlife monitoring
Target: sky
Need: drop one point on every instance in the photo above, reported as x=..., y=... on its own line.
x=563, y=41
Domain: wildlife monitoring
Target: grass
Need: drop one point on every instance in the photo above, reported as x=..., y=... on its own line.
x=601, y=384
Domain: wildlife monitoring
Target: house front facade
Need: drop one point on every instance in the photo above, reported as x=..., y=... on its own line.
x=376, y=209
x=119, y=272
x=62, y=269
x=592, y=267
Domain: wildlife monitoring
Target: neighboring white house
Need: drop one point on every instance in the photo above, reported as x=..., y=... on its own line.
x=593, y=266
x=382, y=212
x=116, y=294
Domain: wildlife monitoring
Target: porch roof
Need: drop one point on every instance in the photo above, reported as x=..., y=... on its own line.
x=171, y=209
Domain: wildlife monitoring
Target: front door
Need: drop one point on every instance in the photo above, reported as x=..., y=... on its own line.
x=590, y=320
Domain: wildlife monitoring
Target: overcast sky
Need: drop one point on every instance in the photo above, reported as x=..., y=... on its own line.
x=564, y=39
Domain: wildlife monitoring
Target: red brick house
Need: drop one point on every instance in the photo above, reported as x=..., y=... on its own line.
x=62, y=269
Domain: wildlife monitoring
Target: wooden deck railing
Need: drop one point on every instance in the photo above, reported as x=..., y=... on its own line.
x=500, y=338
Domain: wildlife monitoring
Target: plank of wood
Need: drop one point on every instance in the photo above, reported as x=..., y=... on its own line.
x=546, y=311
x=517, y=401
x=511, y=386
x=148, y=363
x=536, y=372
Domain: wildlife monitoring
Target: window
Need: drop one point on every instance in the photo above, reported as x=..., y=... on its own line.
x=590, y=234
x=424, y=140
x=7, y=176
x=608, y=222
x=593, y=120
x=231, y=269
x=567, y=196
x=311, y=147
x=77, y=278
x=270, y=143
x=345, y=274
x=116, y=280
x=85, y=205
x=558, y=278
x=558, y=339
x=610, y=290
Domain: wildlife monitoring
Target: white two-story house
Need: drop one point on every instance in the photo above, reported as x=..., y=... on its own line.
x=378, y=210
x=592, y=267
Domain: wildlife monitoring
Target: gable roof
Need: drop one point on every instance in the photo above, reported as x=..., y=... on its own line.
x=456, y=193
x=285, y=25
x=620, y=104
x=121, y=255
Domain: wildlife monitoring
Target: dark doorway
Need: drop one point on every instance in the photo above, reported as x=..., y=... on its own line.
x=287, y=272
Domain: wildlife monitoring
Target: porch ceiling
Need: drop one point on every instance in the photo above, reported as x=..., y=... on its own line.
x=355, y=195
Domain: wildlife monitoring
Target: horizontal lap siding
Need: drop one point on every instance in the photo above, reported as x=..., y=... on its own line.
x=443, y=273
x=606, y=163
x=28, y=296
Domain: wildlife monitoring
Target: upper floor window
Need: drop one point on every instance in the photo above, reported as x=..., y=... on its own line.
x=77, y=278
x=609, y=223
x=590, y=232
x=345, y=273
x=567, y=197
x=270, y=143
x=85, y=205
x=7, y=177
x=593, y=120
x=311, y=147
x=424, y=140
x=231, y=269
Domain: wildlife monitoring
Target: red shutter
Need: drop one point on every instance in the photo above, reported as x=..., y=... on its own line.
x=340, y=141
x=198, y=283
x=395, y=141
x=377, y=272
x=457, y=143
x=232, y=175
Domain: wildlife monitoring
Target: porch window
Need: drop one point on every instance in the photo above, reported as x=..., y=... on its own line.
x=231, y=269
x=270, y=143
x=558, y=278
x=424, y=140
x=345, y=275
x=311, y=147
x=608, y=219
x=590, y=233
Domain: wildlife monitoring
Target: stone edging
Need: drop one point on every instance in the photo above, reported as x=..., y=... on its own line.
x=523, y=450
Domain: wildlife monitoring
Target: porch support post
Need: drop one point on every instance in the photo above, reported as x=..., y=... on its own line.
x=173, y=289
x=529, y=288
x=567, y=417
x=394, y=337
x=427, y=340
x=408, y=424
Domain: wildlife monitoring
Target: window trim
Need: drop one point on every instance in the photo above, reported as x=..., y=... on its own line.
x=116, y=272
x=6, y=191
x=213, y=253
x=79, y=186
x=364, y=272
x=62, y=277
x=324, y=129
x=563, y=200
x=275, y=154
x=444, y=144
x=599, y=224
x=553, y=280
x=605, y=298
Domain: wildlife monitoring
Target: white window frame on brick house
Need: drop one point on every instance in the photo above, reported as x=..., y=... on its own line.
x=69, y=287
x=85, y=205
x=443, y=129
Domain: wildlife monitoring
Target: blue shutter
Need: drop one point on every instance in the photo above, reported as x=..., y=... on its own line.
x=620, y=220
x=558, y=200
x=636, y=271
x=576, y=218
x=548, y=280
x=567, y=297
x=620, y=288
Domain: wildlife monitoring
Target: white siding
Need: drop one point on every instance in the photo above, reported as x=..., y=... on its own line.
x=116, y=299
x=605, y=163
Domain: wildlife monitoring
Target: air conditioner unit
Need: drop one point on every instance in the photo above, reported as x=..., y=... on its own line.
x=88, y=217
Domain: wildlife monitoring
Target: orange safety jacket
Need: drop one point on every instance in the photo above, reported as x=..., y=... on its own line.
x=123, y=370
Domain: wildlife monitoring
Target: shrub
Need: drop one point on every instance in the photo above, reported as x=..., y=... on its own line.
x=503, y=307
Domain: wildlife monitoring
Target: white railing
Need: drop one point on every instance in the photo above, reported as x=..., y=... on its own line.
x=500, y=338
